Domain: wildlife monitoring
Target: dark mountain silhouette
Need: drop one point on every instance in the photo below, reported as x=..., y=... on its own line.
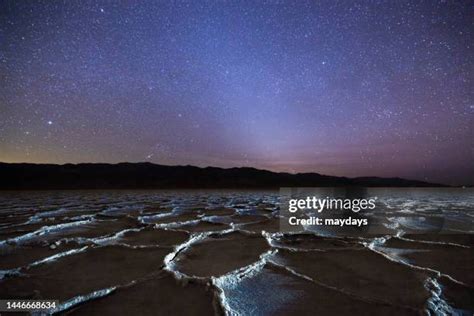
x=148, y=175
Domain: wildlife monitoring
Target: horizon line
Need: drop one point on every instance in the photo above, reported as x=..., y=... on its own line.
x=228, y=168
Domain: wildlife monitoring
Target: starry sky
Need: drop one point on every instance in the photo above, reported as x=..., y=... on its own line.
x=347, y=88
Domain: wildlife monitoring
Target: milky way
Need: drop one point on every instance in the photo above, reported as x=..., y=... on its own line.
x=372, y=88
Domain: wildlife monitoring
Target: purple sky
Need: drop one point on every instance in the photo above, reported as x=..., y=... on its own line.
x=353, y=88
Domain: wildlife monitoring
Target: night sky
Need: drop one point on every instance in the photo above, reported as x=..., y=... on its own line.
x=367, y=88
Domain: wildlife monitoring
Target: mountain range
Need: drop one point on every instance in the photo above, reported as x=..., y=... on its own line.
x=146, y=175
